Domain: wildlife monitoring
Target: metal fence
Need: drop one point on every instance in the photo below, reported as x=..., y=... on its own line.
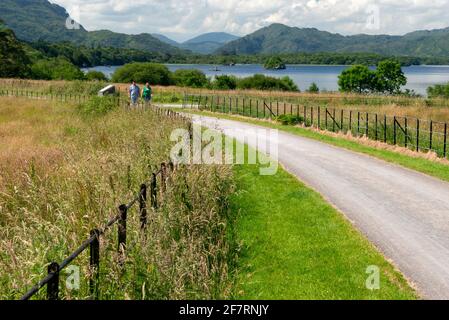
x=157, y=185
x=413, y=133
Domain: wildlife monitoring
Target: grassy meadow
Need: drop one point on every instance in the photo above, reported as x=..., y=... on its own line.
x=65, y=168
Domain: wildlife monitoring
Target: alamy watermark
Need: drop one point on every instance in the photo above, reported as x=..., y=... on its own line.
x=373, y=19
x=209, y=146
x=73, y=22
x=373, y=280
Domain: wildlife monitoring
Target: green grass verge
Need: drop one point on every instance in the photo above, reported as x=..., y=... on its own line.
x=432, y=168
x=294, y=245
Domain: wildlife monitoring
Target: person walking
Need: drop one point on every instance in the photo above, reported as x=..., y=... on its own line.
x=147, y=93
x=134, y=93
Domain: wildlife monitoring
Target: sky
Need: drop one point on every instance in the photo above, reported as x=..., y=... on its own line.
x=184, y=19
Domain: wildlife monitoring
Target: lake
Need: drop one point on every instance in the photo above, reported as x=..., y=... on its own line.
x=326, y=77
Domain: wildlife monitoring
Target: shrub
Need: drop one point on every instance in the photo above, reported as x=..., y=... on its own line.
x=275, y=63
x=262, y=82
x=438, y=90
x=56, y=69
x=94, y=75
x=98, y=106
x=190, y=78
x=225, y=82
x=313, y=88
x=156, y=74
x=288, y=119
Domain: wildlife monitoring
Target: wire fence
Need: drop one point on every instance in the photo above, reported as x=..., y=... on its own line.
x=170, y=97
x=409, y=132
x=150, y=193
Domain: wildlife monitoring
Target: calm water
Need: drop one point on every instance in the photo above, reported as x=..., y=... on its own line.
x=326, y=77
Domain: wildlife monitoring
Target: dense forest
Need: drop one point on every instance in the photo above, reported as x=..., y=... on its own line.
x=83, y=56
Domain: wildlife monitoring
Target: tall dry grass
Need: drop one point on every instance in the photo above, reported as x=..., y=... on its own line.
x=63, y=174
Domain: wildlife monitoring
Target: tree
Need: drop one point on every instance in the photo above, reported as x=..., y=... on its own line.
x=389, y=77
x=143, y=72
x=225, y=82
x=14, y=60
x=358, y=79
x=94, y=75
x=313, y=88
x=190, y=78
x=56, y=69
x=275, y=63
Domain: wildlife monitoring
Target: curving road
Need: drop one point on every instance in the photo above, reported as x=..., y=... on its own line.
x=403, y=212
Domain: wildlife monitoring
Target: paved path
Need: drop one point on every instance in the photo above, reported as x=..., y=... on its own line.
x=403, y=212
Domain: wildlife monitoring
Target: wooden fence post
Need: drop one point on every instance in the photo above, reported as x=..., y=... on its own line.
x=53, y=284
x=94, y=264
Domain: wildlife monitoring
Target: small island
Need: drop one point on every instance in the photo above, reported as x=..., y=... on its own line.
x=274, y=63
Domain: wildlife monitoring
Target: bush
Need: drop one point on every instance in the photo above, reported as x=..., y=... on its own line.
x=190, y=78
x=438, y=91
x=262, y=82
x=357, y=79
x=98, y=106
x=313, y=88
x=288, y=119
x=94, y=75
x=56, y=69
x=142, y=72
x=225, y=82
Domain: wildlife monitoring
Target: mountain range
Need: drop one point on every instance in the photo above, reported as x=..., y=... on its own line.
x=279, y=38
x=206, y=43
x=34, y=20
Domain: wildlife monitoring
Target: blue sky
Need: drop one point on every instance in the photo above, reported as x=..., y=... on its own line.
x=182, y=20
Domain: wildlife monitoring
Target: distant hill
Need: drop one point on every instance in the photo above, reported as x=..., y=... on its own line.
x=34, y=20
x=218, y=37
x=278, y=38
x=207, y=43
x=165, y=39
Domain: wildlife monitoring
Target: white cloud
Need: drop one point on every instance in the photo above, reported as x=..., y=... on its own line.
x=184, y=19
